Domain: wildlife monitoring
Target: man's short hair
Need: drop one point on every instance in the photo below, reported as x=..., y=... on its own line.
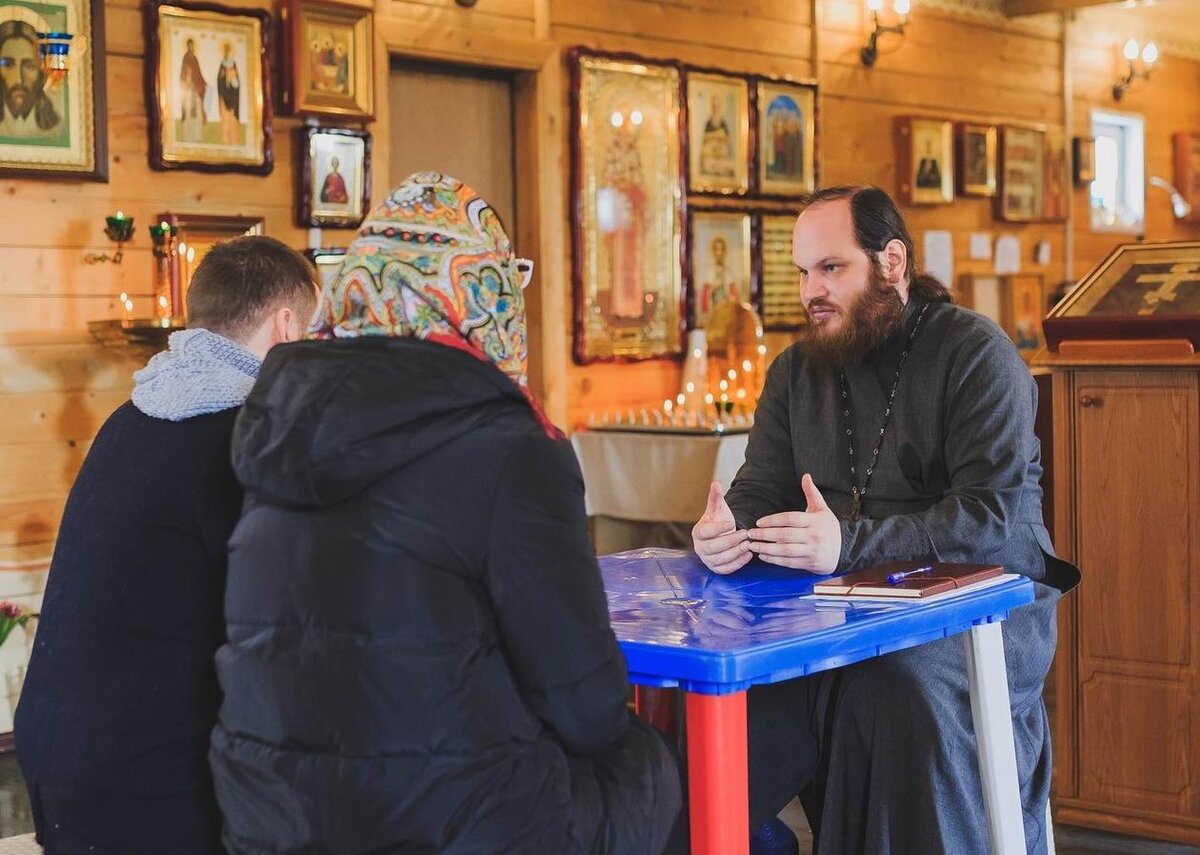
x=877, y=222
x=240, y=281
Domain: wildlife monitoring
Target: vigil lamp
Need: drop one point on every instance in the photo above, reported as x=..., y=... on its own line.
x=870, y=51
x=53, y=46
x=119, y=229
x=1149, y=56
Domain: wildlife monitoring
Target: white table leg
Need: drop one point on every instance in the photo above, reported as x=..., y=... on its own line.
x=992, y=714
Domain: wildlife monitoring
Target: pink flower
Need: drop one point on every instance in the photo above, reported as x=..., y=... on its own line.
x=10, y=610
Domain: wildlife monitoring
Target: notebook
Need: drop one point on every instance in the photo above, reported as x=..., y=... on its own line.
x=939, y=579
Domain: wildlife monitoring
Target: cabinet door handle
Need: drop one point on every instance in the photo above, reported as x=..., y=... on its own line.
x=1090, y=401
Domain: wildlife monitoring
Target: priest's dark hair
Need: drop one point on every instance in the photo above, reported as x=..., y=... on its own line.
x=240, y=281
x=877, y=222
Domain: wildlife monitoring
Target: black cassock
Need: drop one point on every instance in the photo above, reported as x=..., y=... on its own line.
x=883, y=752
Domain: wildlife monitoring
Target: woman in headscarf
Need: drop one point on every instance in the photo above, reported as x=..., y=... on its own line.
x=419, y=657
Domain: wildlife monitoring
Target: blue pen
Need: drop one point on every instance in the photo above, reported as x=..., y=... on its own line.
x=897, y=578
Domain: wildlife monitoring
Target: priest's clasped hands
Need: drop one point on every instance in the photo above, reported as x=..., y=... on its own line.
x=806, y=540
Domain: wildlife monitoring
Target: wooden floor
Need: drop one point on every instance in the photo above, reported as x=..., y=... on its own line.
x=15, y=818
x=1068, y=841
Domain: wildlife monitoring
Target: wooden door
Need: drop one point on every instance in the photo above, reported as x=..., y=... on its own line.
x=458, y=121
x=1137, y=465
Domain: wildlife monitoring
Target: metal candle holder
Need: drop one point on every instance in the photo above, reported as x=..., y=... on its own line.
x=55, y=51
x=119, y=229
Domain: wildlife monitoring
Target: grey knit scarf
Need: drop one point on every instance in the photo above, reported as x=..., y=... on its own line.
x=200, y=372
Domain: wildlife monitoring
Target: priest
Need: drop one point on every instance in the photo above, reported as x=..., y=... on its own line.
x=900, y=428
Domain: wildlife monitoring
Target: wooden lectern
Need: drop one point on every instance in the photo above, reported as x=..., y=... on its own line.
x=1122, y=348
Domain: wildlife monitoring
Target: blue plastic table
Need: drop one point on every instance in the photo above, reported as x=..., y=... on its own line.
x=715, y=636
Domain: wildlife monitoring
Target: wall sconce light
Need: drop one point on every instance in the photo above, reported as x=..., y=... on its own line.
x=1179, y=205
x=119, y=228
x=870, y=51
x=1149, y=56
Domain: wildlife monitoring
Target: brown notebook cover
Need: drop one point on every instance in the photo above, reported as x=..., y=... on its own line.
x=873, y=582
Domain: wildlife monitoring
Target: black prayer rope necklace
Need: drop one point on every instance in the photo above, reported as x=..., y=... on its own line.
x=857, y=492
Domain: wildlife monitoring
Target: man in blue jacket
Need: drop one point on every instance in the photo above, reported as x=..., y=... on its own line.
x=113, y=726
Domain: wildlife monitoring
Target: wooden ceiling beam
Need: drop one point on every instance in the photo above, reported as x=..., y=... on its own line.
x=1013, y=8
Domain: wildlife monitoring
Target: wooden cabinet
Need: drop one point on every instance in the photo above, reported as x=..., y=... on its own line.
x=1127, y=512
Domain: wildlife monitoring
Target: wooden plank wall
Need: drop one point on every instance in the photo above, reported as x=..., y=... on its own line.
x=56, y=387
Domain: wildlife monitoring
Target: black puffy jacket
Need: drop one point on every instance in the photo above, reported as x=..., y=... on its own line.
x=419, y=645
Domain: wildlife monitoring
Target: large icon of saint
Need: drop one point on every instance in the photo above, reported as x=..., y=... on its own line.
x=621, y=215
x=26, y=111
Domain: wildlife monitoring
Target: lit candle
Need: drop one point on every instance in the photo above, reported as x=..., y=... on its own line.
x=724, y=384
x=691, y=387
x=746, y=366
x=668, y=405
x=682, y=399
x=126, y=303
x=183, y=263
x=708, y=398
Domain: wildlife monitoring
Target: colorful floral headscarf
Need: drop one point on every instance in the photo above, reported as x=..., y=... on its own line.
x=432, y=262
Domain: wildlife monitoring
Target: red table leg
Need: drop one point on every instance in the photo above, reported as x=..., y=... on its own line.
x=718, y=775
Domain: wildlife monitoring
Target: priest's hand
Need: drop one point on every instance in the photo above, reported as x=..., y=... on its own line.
x=716, y=538
x=804, y=540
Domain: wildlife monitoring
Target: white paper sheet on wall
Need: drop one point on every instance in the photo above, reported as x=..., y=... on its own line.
x=986, y=297
x=939, y=256
x=1042, y=253
x=981, y=246
x=1008, y=255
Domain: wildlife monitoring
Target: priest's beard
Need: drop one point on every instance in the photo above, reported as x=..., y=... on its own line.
x=875, y=316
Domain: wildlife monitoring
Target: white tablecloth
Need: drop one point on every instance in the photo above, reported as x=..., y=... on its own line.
x=654, y=477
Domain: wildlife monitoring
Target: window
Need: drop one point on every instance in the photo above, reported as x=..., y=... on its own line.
x=1118, y=195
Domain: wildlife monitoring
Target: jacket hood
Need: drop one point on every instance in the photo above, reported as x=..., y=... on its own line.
x=327, y=419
